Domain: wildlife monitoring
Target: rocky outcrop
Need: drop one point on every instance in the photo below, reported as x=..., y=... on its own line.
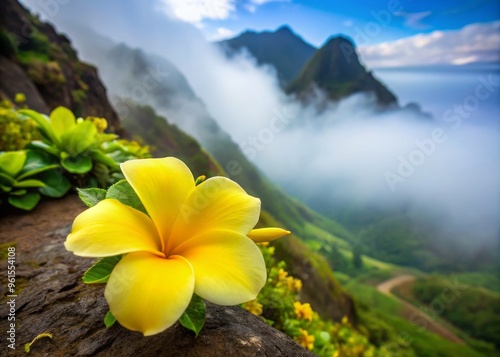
x=52, y=70
x=52, y=298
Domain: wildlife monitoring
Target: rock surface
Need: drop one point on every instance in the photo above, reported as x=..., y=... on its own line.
x=52, y=298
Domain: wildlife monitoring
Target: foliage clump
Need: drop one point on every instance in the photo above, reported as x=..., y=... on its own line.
x=47, y=155
x=278, y=305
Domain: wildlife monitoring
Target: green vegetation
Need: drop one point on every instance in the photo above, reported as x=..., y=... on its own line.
x=16, y=131
x=488, y=281
x=381, y=315
x=474, y=310
x=70, y=152
x=24, y=175
x=278, y=305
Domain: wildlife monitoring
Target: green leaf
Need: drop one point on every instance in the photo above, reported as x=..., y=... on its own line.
x=43, y=122
x=40, y=145
x=56, y=184
x=36, y=162
x=6, y=180
x=109, y=319
x=19, y=192
x=11, y=162
x=123, y=192
x=29, y=183
x=100, y=271
x=5, y=188
x=101, y=157
x=82, y=137
x=77, y=165
x=91, y=196
x=26, y=202
x=62, y=121
x=104, y=138
x=194, y=317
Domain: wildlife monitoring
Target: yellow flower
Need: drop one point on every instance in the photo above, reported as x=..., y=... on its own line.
x=305, y=340
x=253, y=307
x=297, y=284
x=282, y=274
x=195, y=240
x=303, y=311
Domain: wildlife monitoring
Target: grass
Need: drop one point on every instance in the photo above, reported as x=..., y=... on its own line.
x=26, y=57
x=424, y=343
x=480, y=280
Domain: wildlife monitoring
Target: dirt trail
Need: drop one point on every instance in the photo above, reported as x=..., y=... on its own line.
x=412, y=313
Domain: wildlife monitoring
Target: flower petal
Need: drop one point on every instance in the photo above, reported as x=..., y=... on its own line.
x=111, y=228
x=217, y=203
x=267, y=234
x=229, y=268
x=162, y=185
x=147, y=293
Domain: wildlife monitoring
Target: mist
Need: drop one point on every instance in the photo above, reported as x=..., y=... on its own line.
x=447, y=167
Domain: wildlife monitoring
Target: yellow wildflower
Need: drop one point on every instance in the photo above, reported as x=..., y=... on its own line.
x=282, y=274
x=297, y=284
x=195, y=239
x=20, y=98
x=303, y=311
x=253, y=307
x=305, y=340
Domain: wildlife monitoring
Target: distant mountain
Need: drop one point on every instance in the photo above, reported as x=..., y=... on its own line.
x=283, y=49
x=335, y=69
x=37, y=61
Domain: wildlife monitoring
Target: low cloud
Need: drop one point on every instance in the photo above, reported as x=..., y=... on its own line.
x=473, y=43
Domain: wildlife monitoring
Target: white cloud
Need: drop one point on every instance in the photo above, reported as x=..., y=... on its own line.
x=262, y=2
x=474, y=43
x=413, y=19
x=194, y=11
x=222, y=33
x=252, y=5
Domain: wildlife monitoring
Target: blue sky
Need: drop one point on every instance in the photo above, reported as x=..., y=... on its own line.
x=317, y=20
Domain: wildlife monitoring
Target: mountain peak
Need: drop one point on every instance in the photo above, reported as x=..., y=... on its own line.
x=285, y=29
x=283, y=49
x=335, y=68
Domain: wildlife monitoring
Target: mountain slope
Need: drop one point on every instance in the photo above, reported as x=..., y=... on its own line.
x=335, y=68
x=283, y=49
x=40, y=63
